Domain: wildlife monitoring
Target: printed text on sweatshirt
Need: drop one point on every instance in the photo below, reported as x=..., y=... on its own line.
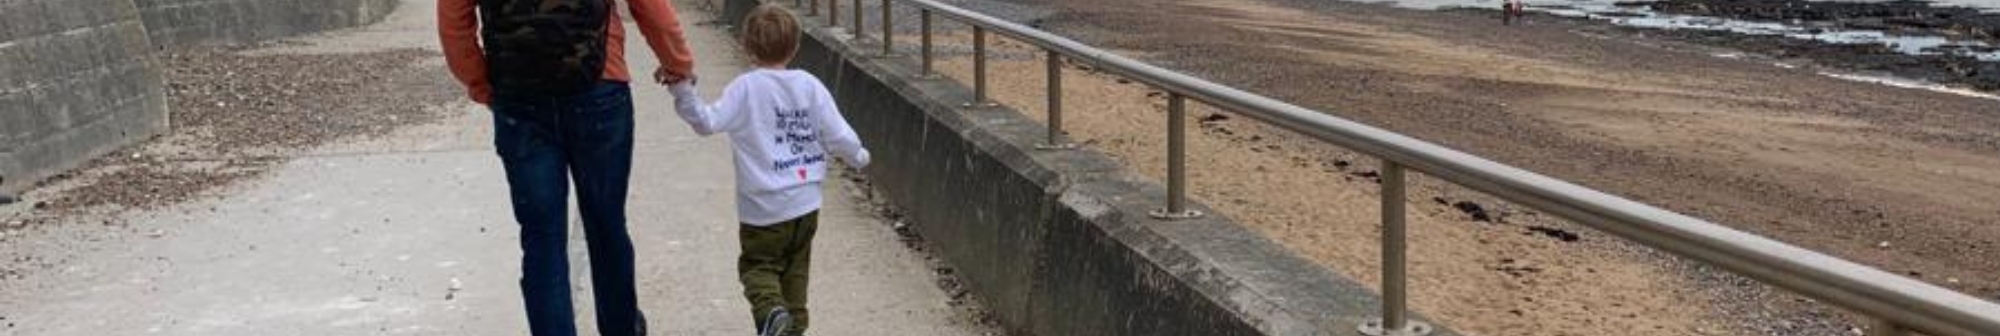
x=781, y=126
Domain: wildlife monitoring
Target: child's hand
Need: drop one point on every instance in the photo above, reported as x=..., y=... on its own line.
x=683, y=88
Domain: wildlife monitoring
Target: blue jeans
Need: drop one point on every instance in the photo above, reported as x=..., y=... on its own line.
x=546, y=142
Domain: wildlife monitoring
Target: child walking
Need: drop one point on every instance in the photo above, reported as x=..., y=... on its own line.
x=781, y=123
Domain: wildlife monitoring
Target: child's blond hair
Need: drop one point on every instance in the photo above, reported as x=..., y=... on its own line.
x=770, y=34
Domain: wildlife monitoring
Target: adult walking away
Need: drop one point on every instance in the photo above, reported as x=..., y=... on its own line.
x=553, y=72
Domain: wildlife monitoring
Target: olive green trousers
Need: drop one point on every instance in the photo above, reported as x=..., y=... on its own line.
x=773, y=268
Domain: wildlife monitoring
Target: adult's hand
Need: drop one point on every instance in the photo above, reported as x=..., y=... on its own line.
x=668, y=76
x=482, y=94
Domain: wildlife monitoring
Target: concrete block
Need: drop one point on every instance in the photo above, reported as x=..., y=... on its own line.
x=31, y=18
x=71, y=146
x=43, y=59
x=203, y=22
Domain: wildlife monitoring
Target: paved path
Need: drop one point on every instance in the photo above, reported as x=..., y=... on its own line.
x=411, y=235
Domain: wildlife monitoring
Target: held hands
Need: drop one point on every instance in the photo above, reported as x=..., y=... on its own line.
x=680, y=85
x=665, y=76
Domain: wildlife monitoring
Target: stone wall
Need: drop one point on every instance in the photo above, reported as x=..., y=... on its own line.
x=76, y=76
x=75, y=81
x=191, y=22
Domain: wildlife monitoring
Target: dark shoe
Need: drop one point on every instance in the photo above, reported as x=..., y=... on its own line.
x=4, y=197
x=640, y=329
x=776, y=323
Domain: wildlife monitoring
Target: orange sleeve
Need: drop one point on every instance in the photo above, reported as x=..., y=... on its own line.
x=662, y=28
x=458, y=30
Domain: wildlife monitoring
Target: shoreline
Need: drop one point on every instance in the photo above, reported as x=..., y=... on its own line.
x=1944, y=49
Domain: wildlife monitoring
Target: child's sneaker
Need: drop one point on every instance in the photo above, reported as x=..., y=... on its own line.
x=776, y=324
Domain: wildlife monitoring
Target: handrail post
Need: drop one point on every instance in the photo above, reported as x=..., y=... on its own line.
x=1395, y=289
x=1176, y=162
x=812, y=7
x=859, y=32
x=888, y=29
x=925, y=16
x=1884, y=327
x=1395, y=293
x=1176, y=154
x=979, y=98
x=833, y=13
x=1055, y=104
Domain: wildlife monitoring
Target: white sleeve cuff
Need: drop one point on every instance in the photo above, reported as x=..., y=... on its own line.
x=683, y=89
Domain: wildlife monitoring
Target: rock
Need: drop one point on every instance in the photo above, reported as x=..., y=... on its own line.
x=1475, y=210
x=8, y=199
x=1558, y=234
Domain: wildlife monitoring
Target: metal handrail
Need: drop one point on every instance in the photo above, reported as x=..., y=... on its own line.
x=1898, y=304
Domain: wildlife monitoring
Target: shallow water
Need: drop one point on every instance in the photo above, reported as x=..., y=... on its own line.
x=1642, y=17
x=1990, y=5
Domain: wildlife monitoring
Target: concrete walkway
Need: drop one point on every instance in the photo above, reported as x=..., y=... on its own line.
x=411, y=235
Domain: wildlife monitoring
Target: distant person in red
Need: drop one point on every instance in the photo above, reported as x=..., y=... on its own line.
x=554, y=74
x=1511, y=10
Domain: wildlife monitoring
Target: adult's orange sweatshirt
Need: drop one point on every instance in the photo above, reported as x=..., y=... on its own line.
x=458, y=28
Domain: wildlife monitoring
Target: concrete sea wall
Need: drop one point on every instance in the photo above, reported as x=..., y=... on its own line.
x=1058, y=242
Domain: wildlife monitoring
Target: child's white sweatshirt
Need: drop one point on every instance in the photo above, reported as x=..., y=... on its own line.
x=781, y=123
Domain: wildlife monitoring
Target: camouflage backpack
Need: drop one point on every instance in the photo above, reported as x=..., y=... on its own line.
x=544, y=47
